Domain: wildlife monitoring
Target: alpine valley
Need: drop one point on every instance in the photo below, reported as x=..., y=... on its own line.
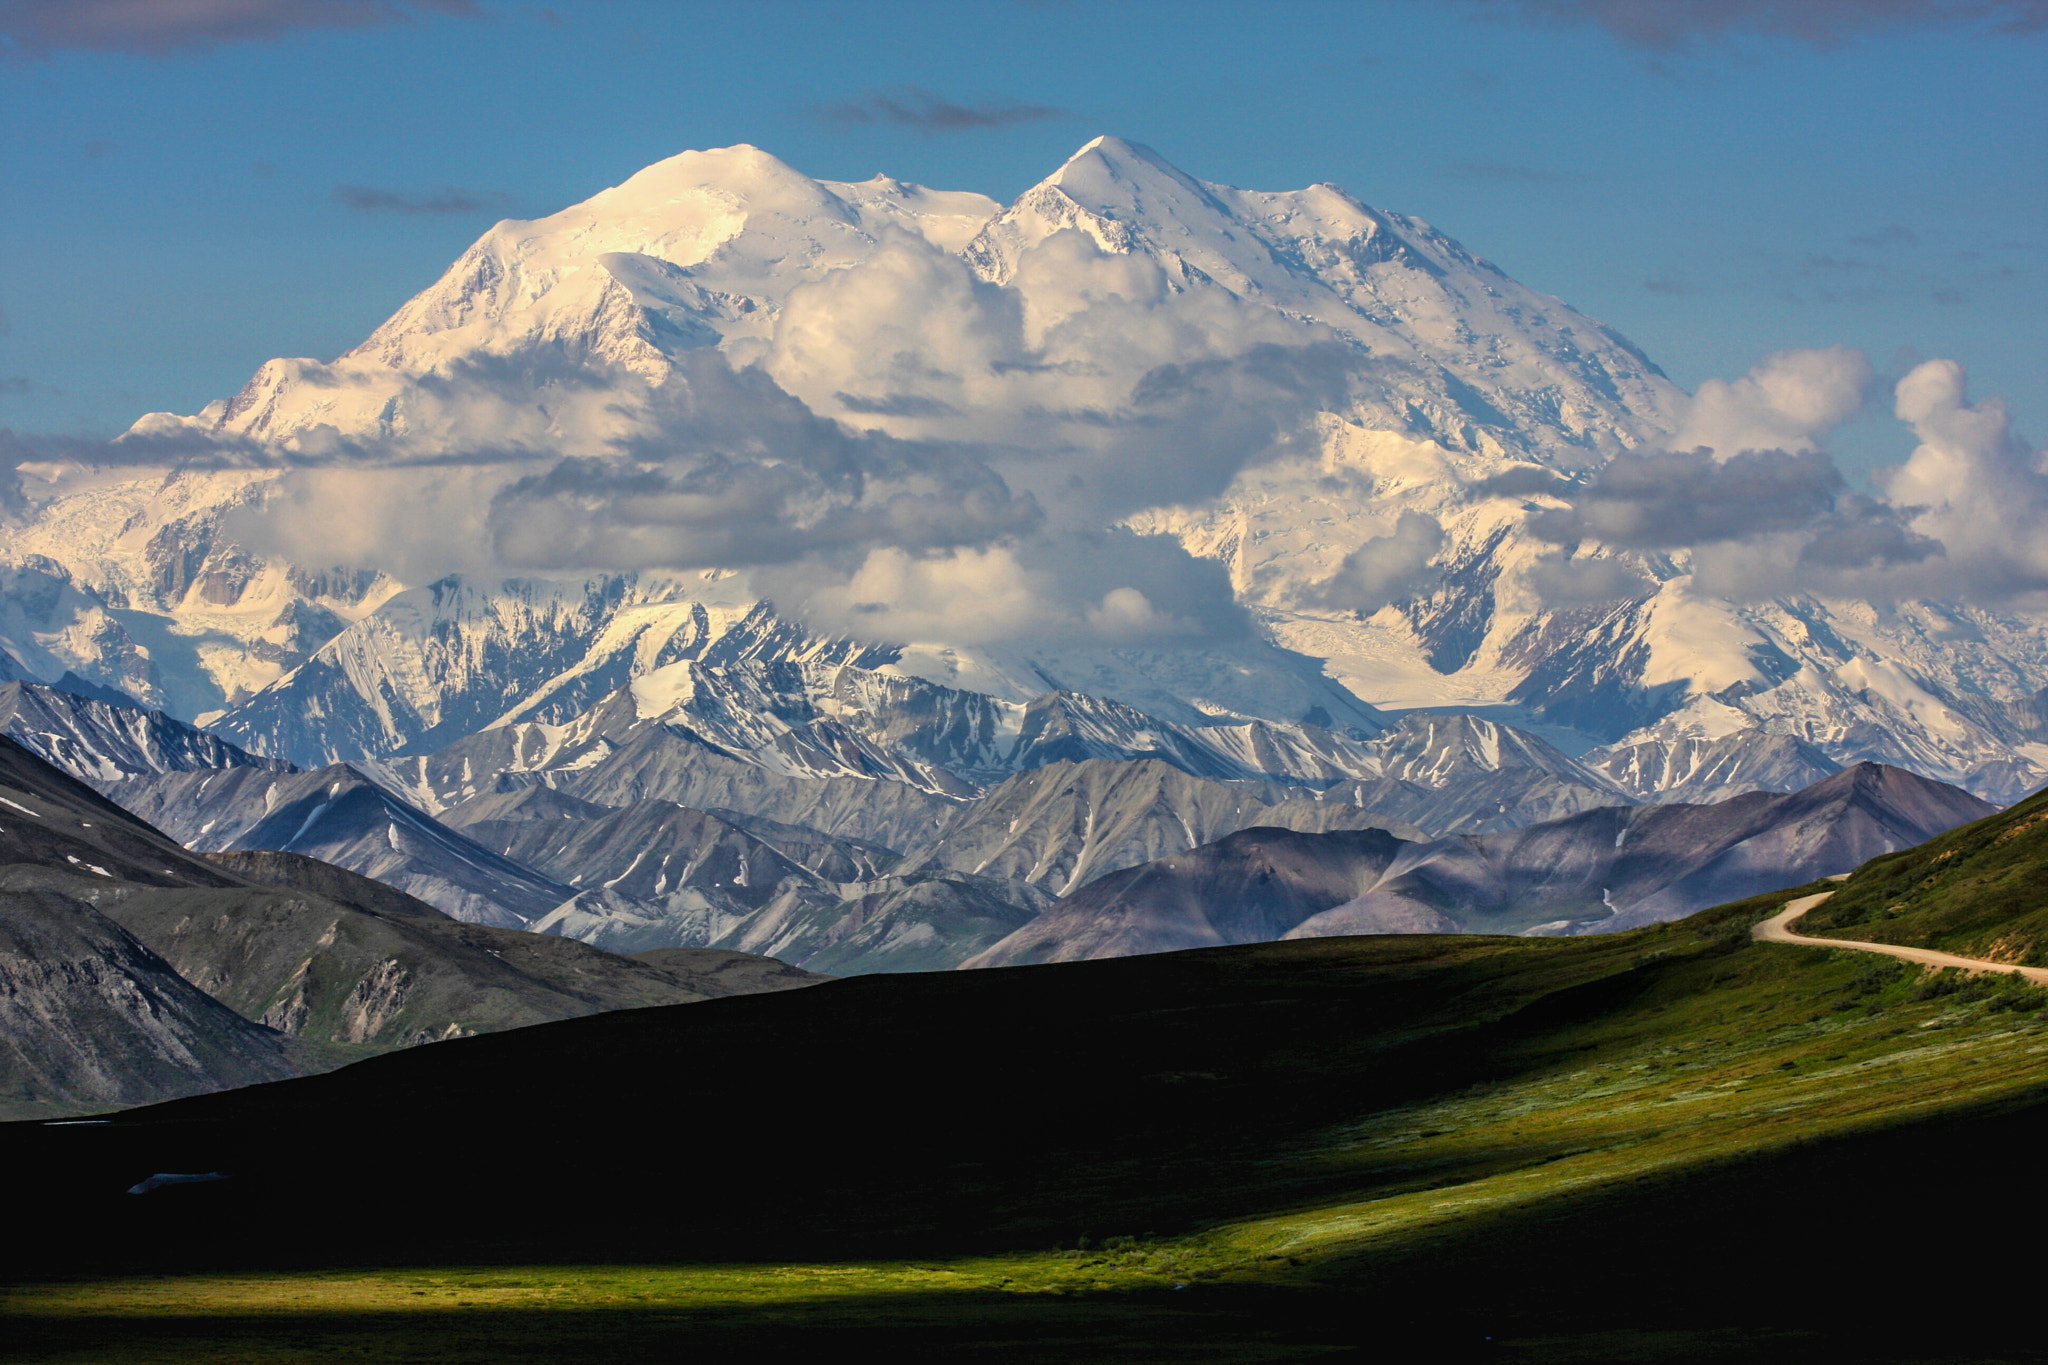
x=708, y=710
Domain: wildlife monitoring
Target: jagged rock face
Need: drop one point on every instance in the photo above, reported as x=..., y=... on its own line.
x=922, y=924
x=1060, y=826
x=1696, y=768
x=646, y=850
x=101, y=743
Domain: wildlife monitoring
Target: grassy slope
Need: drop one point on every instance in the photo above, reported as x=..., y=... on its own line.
x=1980, y=891
x=1657, y=1145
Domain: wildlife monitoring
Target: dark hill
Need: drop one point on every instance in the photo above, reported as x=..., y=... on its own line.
x=89, y=1017
x=1667, y=1144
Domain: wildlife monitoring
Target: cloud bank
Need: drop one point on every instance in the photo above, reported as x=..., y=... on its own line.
x=915, y=453
x=1763, y=509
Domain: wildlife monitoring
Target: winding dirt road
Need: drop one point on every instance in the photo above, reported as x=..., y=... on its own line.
x=1777, y=929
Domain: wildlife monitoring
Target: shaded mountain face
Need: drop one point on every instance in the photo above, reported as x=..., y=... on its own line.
x=1598, y=871
x=340, y=816
x=1062, y=826
x=1834, y=826
x=50, y=819
x=132, y=970
x=645, y=851
x=1252, y=886
x=322, y=954
x=89, y=1015
x=1065, y=824
x=91, y=1018
x=930, y=922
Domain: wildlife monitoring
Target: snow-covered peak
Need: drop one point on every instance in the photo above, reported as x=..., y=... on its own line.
x=699, y=249
x=1118, y=178
x=1483, y=361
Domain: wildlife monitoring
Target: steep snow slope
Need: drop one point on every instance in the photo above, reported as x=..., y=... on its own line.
x=696, y=250
x=1466, y=353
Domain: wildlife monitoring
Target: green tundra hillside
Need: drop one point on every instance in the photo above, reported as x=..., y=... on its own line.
x=1978, y=891
x=1674, y=1143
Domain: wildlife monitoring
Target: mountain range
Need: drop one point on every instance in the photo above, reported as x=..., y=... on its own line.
x=1600, y=871
x=132, y=970
x=1459, y=405
x=596, y=840
x=1283, y=1150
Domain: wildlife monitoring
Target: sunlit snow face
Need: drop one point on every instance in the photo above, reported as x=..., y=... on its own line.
x=917, y=453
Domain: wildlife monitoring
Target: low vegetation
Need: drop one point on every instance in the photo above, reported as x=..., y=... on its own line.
x=1656, y=1145
x=1977, y=891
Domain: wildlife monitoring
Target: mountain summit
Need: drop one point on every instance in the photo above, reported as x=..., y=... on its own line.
x=1218, y=454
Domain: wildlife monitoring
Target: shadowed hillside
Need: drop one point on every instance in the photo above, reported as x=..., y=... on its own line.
x=1618, y=1147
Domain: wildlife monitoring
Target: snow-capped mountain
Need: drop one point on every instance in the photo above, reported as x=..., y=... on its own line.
x=338, y=816
x=102, y=743
x=1381, y=539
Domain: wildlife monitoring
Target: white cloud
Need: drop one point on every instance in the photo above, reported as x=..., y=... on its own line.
x=1789, y=402
x=1384, y=569
x=1972, y=483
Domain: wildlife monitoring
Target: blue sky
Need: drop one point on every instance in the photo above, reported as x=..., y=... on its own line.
x=193, y=186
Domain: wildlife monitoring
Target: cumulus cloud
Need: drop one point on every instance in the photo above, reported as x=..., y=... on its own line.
x=920, y=109
x=1384, y=569
x=1789, y=402
x=1561, y=581
x=1972, y=483
x=1959, y=521
x=1668, y=25
x=1114, y=587
x=35, y=28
